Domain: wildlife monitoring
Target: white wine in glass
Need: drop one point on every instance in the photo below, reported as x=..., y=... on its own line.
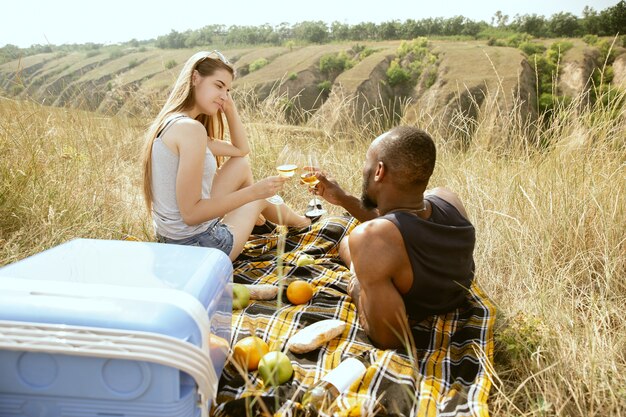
x=286, y=165
x=309, y=178
x=287, y=170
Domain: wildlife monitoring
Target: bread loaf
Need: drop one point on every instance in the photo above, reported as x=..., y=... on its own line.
x=262, y=291
x=315, y=335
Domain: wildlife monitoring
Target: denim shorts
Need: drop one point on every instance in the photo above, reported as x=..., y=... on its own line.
x=217, y=236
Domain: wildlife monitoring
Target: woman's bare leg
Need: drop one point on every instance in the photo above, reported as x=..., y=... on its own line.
x=287, y=215
x=240, y=222
x=233, y=175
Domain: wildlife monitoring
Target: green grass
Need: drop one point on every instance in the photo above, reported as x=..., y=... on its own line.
x=353, y=78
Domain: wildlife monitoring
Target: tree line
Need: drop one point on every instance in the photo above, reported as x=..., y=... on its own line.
x=607, y=22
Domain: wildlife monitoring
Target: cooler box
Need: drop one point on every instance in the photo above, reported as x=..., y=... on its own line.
x=98, y=328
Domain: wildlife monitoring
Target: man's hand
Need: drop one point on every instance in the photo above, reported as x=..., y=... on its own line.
x=329, y=189
x=354, y=288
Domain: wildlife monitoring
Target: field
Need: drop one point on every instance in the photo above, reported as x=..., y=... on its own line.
x=549, y=206
x=463, y=75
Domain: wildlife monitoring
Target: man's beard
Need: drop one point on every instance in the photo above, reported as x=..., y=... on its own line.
x=366, y=200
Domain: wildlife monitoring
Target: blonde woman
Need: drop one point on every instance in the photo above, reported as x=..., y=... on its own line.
x=193, y=201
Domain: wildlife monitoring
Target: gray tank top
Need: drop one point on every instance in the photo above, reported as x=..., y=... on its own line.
x=166, y=216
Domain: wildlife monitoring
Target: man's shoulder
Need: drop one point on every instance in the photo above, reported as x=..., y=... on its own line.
x=375, y=232
x=450, y=197
x=375, y=247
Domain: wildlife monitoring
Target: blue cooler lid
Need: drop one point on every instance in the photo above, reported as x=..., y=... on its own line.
x=141, y=286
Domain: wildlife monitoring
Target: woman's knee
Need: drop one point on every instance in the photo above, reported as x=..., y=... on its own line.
x=242, y=165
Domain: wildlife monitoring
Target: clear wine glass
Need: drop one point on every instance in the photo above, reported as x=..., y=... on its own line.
x=286, y=165
x=308, y=177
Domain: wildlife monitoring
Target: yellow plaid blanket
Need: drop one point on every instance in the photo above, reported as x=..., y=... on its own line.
x=447, y=373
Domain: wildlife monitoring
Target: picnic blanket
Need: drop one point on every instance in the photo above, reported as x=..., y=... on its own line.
x=446, y=373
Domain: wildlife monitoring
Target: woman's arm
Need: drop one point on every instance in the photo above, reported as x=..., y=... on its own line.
x=238, y=145
x=191, y=141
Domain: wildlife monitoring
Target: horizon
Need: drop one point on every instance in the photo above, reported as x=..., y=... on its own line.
x=144, y=20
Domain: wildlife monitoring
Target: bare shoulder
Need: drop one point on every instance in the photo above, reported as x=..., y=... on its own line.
x=374, y=238
x=450, y=196
x=186, y=133
x=187, y=127
x=373, y=230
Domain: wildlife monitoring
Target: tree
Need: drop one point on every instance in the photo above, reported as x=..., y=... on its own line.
x=591, y=21
x=315, y=32
x=564, y=24
x=411, y=29
x=363, y=31
x=284, y=32
x=617, y=18
x=9, y=52
x=389, y=30
x=174, y=40
x=532, y=24
x=500, y=19
x=453, y=26
x=433, y=26
x=339, y=31
x=471, y=28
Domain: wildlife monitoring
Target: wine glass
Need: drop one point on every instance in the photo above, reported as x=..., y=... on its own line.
x=286, y=165
x=308, y=177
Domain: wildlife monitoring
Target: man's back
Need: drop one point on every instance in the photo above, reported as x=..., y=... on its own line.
x=390, y=291
x=439, y=253
x=404, y=262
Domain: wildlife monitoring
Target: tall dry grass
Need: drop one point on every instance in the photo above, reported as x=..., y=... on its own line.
x=547, y=199
x=65, y=174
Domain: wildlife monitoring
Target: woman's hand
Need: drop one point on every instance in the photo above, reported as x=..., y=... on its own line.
x=268, y=187
x=228, y=105
x=238, y=137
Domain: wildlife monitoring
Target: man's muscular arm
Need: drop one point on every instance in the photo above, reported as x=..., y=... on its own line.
x=380, y=306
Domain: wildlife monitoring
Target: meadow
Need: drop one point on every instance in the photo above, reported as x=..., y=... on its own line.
x=548, y=200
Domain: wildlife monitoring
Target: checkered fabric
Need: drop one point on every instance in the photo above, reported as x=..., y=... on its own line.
x=445, y=373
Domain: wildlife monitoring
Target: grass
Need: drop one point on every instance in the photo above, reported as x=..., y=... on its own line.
x=358, y=75
x=298, y=60
x=547, y=199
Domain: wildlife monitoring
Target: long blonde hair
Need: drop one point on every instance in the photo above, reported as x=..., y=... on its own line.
x=182, y=98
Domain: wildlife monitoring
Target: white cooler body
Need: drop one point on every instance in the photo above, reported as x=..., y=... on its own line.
x=156, y=304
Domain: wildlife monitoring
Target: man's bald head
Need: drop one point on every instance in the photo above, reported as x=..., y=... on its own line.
x=408, y=153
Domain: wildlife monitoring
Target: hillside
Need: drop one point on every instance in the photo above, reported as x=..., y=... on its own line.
x=465, y=76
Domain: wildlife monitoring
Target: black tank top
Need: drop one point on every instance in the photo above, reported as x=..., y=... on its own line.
x=440, y=250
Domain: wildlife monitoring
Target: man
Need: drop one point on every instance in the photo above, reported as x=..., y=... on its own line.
x=412, y=253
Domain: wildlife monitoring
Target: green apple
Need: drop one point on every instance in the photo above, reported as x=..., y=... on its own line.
x=275, y=368
x=241, y=296
x=305, y=260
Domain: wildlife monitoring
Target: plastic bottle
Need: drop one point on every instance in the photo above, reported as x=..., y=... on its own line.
x=323, y=393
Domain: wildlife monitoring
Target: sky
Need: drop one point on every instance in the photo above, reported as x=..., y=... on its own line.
x=27, y=22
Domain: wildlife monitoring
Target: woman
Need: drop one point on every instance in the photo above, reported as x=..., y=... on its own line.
x=194, y=201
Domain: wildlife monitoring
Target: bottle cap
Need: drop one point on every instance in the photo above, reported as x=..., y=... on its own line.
x=345, y=374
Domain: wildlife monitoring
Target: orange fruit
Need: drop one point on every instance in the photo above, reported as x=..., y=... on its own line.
x=249, y=351
x=299, y=292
